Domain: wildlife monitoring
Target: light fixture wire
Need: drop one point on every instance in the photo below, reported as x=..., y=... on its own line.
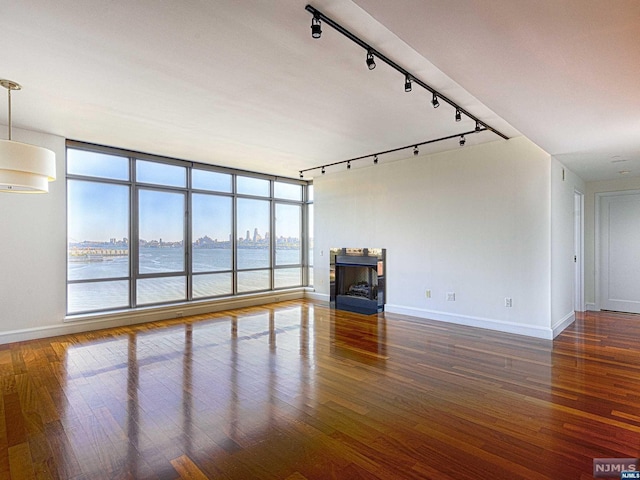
x=10, y=86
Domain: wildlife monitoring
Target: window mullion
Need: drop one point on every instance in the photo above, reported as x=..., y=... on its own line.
x=133, y=233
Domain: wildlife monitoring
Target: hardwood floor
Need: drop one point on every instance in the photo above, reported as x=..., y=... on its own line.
x=297, y=391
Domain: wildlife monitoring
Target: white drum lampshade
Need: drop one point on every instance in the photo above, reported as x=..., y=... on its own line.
x=24, y=168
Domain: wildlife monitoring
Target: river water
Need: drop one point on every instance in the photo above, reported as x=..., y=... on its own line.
x=85, y=297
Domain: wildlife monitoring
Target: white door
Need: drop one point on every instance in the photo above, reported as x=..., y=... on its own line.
x=620, y=252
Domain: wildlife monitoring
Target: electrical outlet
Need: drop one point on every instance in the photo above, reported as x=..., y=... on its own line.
x=428, y=294
x=508, y=302
x=179, y=314
x=451, y=297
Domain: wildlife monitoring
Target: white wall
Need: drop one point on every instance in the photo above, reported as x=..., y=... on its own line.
x=32, y=242
x=474, y=221
x=590, y=268
x=563, y=188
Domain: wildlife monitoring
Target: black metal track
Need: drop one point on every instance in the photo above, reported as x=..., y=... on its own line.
x=371, y=155
x=336, y=26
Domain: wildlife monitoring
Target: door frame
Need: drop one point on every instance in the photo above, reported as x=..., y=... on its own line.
x=578, y=248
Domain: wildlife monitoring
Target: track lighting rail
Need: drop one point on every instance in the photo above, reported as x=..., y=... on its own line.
x=374, y=156
x=319, y=16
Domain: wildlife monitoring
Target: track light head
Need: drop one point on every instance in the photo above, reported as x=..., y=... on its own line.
x=318, y=18
x=316, y=28
x=323, y=170
x=349, y=165
x=371, y=63
x=462, y=140
x=415, y=150
x=301, y=174
x=375, y=159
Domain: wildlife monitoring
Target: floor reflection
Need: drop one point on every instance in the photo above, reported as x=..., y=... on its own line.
x=364, y=340
x=296, y=390
x=203, y=386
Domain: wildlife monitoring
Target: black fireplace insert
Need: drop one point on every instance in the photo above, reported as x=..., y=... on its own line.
x=357, y=280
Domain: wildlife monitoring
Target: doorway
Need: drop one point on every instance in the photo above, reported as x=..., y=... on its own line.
x=618, y=232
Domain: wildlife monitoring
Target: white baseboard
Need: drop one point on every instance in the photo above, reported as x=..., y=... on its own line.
x=86, y=323
x=488, y=323
x=567, y=320
x=322, y=297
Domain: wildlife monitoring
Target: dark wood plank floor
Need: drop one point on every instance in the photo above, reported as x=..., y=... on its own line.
x=298, y=391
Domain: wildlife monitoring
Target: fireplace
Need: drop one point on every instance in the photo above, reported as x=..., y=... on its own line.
x=357, y=280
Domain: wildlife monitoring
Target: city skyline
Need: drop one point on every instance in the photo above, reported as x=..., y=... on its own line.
x=161, y=214
x=124, y=241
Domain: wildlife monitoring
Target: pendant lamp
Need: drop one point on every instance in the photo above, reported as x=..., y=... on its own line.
x=24, y=168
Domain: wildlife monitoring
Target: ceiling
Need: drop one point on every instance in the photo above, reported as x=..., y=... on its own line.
x=243, y=84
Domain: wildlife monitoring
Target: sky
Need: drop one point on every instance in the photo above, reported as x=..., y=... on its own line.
x=100, y=211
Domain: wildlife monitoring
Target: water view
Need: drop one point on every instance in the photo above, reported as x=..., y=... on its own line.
x=211, y=267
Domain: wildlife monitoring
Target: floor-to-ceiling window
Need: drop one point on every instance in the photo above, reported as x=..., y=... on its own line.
x=288, y=221
x=212, y=234
x=309, y=233
x=144, y=230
